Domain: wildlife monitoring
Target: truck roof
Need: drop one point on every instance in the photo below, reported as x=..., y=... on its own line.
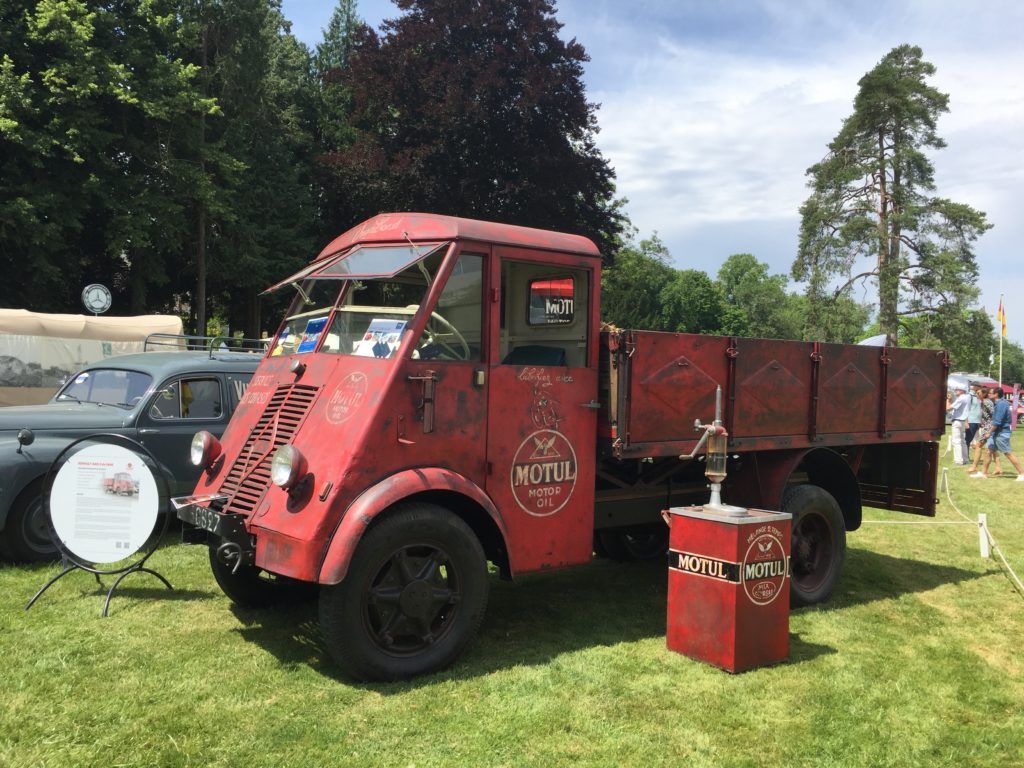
x=399, y=227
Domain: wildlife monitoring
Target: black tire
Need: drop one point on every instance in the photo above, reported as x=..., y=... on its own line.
x=634, y=546
x=252, y=587
x=414, y=596
x=27, y=534
x=818, y=544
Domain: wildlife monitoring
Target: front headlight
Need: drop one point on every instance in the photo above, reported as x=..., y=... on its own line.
x=287, y=467
x=205, y=450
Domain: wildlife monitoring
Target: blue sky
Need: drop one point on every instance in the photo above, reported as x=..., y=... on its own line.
x=711, y=112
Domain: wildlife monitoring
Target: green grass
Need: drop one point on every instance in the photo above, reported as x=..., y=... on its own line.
x=915, y=661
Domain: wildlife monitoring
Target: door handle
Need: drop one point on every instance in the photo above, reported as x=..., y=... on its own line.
x=429, y=380
x=593, y=405
x=149, y=431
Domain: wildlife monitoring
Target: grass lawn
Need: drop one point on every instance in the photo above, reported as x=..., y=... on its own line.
x=915, y=662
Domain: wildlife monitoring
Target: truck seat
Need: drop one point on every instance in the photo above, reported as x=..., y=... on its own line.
x=535, y=354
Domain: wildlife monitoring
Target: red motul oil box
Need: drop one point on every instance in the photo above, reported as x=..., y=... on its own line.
x=728, y=587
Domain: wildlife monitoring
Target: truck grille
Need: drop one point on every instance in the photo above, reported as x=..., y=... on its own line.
x=249, y=476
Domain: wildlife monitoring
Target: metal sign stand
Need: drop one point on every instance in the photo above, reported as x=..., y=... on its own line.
x=71, y=562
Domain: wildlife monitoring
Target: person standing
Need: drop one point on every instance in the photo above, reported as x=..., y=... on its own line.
x=973, y=415
x=999, y=442
x=961, y=404
x=982, y=435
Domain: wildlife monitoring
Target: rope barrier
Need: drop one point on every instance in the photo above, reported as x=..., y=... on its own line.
x=981, y=523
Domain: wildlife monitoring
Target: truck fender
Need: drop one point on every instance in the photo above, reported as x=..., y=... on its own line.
x=424, y=482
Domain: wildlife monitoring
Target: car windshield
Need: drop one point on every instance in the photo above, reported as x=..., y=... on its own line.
x=363, y=317
x=107, y=386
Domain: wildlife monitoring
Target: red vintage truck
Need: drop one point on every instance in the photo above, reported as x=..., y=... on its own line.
x=441, y=395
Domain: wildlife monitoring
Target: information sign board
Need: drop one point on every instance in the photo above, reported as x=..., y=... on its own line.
x=104, y=503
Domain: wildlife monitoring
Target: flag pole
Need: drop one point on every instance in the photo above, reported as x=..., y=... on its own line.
x=1001, y=334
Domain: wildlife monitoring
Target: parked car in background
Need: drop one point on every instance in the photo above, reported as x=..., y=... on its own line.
x=160, y=399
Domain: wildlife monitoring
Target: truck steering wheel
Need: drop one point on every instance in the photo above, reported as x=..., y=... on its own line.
x=433, y=337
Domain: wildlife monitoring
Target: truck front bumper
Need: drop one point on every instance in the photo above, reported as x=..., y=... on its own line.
x=211, y=526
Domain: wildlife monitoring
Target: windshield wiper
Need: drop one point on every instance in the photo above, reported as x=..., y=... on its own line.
x=65, y=396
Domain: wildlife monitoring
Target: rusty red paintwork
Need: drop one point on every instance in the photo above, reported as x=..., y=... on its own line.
x=779, y=394
x=728, y=588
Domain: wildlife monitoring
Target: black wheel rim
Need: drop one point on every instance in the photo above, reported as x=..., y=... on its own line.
x=412, y=600
x=35, y=530
x=811, y=550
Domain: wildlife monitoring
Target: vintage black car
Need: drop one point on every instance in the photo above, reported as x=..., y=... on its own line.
x=160, y=399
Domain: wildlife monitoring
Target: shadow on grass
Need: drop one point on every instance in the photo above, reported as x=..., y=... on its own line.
x=870, y=576
x=543, y=616
x=87, y=585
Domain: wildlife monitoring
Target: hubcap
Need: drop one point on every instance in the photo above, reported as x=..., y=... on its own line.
x=412, y=600
x=811, y=546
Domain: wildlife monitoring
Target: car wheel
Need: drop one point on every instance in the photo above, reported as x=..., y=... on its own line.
x=27, y=535
x=414, y=596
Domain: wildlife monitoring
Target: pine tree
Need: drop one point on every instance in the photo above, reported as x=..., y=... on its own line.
x=870, y=215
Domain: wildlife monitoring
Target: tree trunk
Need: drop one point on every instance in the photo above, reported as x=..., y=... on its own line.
x=888, y=265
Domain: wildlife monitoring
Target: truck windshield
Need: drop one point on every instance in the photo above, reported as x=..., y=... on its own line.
x=107, y=386
x=367, y=317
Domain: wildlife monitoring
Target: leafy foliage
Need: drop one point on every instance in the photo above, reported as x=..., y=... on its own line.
x=473, y=108
x=869, y=206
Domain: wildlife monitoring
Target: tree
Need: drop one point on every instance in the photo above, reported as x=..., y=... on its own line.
x=474, y=108
x=88, y=97
x=696, y=304
x=869, y=206
x=264, y=87
x=760, y=297
x=631, y=288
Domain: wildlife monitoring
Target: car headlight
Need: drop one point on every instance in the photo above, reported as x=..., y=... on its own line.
x=205, y=450
x=287, y=467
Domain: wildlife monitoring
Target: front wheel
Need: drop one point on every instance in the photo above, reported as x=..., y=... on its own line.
x=818, y=544
x=414, y=596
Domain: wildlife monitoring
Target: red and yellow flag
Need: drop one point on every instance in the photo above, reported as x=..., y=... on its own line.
x=1001, y=316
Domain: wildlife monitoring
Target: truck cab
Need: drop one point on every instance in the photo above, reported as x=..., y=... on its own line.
x=429, y=403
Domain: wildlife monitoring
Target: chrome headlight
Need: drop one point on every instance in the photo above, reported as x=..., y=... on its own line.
x=205, y=450
x=287, y=467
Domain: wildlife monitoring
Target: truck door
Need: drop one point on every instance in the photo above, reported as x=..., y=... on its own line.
x=542, y=402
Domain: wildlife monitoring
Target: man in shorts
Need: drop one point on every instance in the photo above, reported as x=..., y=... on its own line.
x=1000, y=439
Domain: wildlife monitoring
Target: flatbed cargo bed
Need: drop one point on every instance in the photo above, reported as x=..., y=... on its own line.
x=776, y=394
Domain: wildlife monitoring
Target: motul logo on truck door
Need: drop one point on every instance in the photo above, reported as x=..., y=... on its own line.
x=543, y=473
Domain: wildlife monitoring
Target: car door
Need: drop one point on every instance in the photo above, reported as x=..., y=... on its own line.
x=179, y=408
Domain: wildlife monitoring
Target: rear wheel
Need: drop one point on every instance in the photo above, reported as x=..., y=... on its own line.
x=818, y=543
x=413, y=597
x=252, y=587
x=26, y=534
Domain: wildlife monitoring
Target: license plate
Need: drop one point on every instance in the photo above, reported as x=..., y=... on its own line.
x=205, y=518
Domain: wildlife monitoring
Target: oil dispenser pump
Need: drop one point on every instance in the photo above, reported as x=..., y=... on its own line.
x=717, y=440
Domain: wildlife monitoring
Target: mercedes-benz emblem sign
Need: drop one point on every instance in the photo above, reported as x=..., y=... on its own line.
x=96, y=298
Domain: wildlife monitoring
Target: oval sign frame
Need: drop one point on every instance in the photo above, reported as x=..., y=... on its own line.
x=89, y=506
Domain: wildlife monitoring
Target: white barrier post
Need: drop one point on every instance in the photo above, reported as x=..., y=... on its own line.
x=983, y=531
